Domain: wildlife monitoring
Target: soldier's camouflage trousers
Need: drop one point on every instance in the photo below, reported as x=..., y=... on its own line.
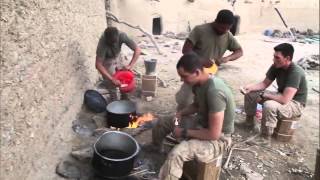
x=200, y=150
x=272, y=111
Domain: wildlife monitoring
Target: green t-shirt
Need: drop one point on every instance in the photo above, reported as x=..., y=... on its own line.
x=106, y=51
x=215, y=96
x=292, y=77
x=209, y=45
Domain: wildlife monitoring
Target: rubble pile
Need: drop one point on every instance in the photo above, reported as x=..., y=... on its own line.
x=307, y=36
x=310, y=62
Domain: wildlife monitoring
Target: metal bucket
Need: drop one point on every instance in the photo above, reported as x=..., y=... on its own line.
x=150, y=66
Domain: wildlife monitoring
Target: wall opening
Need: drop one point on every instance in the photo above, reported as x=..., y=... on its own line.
x=156, y=26
x=236, y=25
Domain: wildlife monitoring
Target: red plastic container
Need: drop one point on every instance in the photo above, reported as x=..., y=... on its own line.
x=126, y=77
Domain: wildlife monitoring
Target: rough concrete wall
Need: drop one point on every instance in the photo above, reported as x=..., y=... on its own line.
x=255, y=16
x=47, y=61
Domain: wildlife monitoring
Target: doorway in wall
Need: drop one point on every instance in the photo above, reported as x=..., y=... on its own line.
x=236, y=25
x=156, y=26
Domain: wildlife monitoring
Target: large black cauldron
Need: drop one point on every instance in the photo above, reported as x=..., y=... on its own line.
x=119, y=113
x=114, y=154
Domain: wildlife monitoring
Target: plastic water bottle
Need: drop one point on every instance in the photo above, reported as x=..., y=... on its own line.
x=259, y=111
x=258, y=117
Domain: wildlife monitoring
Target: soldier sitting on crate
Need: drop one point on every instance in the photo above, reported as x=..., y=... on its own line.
x=290, y=99
x=214, y=121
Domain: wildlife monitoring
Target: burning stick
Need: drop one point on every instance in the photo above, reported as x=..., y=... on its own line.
x=176, y=122
x=139, y=120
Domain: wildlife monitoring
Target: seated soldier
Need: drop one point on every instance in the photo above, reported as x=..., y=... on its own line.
x=214, y=105
x=290, y=99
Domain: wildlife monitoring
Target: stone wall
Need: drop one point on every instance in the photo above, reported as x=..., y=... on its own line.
x=47, y=62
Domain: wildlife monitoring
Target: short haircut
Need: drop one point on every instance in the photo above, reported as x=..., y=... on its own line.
x=111, y=34
x=190, y=62
x=286, y=49
x=225, y=17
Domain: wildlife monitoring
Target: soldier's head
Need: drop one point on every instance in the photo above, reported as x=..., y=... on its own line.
x=189, y=68
x=112, y=35
x=283, y=54
x=223, y=22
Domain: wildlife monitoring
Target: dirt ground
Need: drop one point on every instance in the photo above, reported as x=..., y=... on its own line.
x=293, y=160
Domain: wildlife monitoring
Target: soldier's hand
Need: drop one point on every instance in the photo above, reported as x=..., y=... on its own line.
x=222, y=61
x=116, y=82
x=228, y=141
x=247, y=89
x=261, y=98
x=207, y=63
x=128, y=67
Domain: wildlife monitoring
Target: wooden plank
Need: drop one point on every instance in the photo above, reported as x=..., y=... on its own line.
x=209, y=171
x=202, y=171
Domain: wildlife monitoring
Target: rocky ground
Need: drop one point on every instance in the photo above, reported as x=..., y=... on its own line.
x=293, y=160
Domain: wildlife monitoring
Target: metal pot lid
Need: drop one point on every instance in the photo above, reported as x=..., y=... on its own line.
x=121, y=107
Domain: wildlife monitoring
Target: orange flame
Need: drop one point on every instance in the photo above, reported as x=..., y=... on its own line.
x=138, y=121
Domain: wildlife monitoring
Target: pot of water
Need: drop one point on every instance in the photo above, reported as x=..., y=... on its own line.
x=114, y=154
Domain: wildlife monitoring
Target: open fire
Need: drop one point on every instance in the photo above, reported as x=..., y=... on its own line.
x=139, y=120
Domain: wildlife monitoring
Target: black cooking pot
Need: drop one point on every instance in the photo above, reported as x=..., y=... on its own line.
x=114, y=154
x=95, y=101
x=119, y=113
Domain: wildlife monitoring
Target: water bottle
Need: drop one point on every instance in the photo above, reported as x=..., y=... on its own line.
x=259, y=111
x=257, y=120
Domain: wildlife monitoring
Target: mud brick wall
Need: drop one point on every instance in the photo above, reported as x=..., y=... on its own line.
x=47, y=62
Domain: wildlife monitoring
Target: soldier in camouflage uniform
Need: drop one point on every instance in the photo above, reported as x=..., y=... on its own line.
x=212, y=125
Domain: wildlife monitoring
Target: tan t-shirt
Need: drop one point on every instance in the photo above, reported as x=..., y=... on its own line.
x=209, y=45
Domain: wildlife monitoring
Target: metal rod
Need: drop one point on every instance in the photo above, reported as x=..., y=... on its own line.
x=285, y=24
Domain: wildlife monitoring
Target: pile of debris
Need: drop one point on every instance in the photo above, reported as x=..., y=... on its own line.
x=308, y=36
x=180, y=36
x=309, y=62
x=277, y=33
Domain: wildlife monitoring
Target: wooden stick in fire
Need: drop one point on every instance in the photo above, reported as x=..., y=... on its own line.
x=176, y=122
